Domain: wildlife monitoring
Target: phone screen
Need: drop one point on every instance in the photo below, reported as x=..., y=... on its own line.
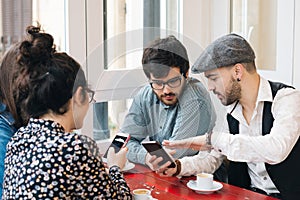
x=117, y=143
x=154, y=148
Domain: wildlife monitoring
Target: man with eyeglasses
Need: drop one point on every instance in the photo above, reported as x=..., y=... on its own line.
x=172, y=107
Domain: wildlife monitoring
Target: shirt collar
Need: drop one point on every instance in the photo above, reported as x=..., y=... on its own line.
x=264, y=92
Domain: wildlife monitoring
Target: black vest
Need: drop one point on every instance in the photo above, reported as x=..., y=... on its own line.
x=285, y=175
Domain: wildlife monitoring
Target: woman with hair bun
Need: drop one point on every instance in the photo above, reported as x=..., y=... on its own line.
x=45, y=159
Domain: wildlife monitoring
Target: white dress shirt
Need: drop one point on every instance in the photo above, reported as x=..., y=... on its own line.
x=251, y=147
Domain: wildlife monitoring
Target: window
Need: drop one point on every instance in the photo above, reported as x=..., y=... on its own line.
x=269, y=26
x=17, y=15
x=257, y=21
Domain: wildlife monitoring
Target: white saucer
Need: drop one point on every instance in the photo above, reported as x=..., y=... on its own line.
x=193, y=185
x=128, y=166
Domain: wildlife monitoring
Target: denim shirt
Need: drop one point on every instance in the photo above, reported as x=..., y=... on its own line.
x=6, y=132
x=192, y=115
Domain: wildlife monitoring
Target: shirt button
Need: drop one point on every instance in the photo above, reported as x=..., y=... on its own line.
x=265, y=178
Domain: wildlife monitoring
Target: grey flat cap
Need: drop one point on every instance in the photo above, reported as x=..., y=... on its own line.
x=225, y=51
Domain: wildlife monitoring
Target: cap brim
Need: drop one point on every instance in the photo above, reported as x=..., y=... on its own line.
x=203, y=63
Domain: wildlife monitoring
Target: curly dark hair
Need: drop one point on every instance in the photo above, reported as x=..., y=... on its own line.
x=162, y=55
x=41, y=78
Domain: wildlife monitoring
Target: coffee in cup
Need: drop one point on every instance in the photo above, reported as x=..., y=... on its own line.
x=142, y=194
x=205, y=181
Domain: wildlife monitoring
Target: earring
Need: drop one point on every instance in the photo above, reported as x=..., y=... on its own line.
x=238, y=79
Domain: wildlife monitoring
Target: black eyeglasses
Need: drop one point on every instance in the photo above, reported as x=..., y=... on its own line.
x=91, y=94
x=172, y=83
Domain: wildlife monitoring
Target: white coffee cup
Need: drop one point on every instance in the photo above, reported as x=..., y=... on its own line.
x=205, y=181
x=142, y=194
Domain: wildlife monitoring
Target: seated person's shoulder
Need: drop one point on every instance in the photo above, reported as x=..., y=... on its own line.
x=196, y=89
x=85, y=142
x=145, y=94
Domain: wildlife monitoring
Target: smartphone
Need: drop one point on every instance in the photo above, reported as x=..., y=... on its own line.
x=119, y=141
x=154, y=148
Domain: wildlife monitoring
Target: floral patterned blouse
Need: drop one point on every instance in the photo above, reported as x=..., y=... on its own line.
x=45, y=162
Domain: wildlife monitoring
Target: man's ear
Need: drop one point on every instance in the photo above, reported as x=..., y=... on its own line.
x=238, y=68
x=187, y=74
x=79, y=96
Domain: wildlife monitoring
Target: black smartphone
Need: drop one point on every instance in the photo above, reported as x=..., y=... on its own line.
x=154, y=148
x=119, y=141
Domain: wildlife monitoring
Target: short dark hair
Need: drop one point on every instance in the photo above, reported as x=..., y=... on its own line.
x=163, y=54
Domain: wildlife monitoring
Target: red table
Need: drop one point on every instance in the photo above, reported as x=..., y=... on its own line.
x=168, y=188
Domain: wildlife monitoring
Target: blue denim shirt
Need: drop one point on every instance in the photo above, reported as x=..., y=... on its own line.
x=6, y=132
x=193, y=115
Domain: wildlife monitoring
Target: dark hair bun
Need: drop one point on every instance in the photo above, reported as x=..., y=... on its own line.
x=38, y=48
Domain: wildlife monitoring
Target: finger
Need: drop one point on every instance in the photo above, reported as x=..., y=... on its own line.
x=156, y=162
x=169, y=144
x=162, y=173
x=173, y=144
x=105, y=165
x=171, y=151
x=111, y=150
x=163, y=167
x=123, y=150
x=152, y=158
x=165, y=172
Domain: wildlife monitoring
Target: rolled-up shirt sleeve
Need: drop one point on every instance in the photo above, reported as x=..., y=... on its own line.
x=204, y=161
x=251, y=146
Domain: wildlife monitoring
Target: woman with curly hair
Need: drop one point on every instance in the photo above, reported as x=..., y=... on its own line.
x=45, y=159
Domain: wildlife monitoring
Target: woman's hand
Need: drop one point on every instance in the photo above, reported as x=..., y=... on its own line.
x=119, y=159
x=195, y=143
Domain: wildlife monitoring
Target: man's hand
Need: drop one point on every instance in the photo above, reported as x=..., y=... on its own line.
x=152, y=161
x=195, y=143
x=164, y=171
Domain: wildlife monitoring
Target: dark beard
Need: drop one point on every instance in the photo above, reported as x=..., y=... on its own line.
x=234, y=93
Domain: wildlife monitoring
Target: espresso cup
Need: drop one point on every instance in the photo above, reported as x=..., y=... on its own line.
x=142, y=194
x=205, y=181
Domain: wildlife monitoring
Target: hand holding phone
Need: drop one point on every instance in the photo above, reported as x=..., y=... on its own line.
x=154, y=148
x=119, y=141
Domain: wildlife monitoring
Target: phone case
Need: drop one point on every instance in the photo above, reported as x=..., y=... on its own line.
x=154, y=148
x=119, y=141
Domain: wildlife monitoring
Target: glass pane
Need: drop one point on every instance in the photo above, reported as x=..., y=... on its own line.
x=17, y=15
x=124, y=22
x=51, y=15
x=108, y=117
x=256, y=20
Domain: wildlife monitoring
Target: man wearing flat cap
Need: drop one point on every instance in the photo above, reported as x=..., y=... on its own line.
x=262, y=138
